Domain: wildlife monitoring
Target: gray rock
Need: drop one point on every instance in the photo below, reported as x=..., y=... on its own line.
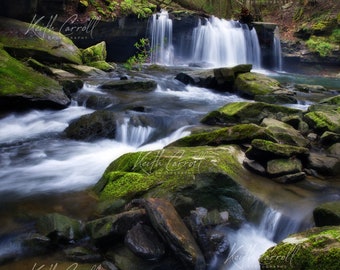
x=324, y=164
x=280, y=167
x=290, y=178
x=327, y=214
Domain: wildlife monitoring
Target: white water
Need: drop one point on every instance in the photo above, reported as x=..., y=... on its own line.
x=214, y=42
x=277, y=52
x=162, y=51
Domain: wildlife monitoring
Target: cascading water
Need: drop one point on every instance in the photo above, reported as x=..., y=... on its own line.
x=214, y=42
x=219, y=42
x=133, y=135
x=162, y=51
x=277, y=53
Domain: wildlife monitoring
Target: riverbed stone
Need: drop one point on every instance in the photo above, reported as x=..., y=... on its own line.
x=322, y=121
x=82, y=255
x=247, y=112
x=26, y=40
x=284, y=133
x=266, y=150
x=334, y=150
x=253, y=84
x=143, y=241
x=310, y=88
x=23, y=88
x=280, y=167
x=329, y=138
x=130, y=85
x=323, y=164
x=327, y=214
x=317, y=248
x=89, y=127
x=290, y=178
x=59, y=228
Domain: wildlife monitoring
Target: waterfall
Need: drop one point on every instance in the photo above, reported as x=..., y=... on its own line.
x=162, y=51
x=277, y=54
x=130, y=134
x=225, y=43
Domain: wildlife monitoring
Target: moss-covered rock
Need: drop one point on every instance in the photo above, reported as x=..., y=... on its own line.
x=95, y=53
x=252, y=84
x=22, y=88
x=26, y=40
x=279, y=167
x=83, y=70
x=266, y=150
x=247, y=112
x=102, y=65
x=200, y=173
x=323, y=121
x=327, y=214
x=317, y=248
x=130, y=85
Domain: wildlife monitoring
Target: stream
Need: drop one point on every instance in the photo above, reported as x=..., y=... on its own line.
x=43, y=172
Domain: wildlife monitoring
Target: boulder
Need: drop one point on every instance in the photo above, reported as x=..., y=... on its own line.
x=266, y=150
x=242, y=133
x=323, y=121
x=83, y=70
x=310, y=88
x=59, y=228
x=26, y=40
x=94, y=53
x=324, y=164
x=290, y=178
x=225, y=78
x=284, y=133
x=82, y=255
x=328, y=138
x=334, y=150
x=23, y=88
x=130, y=85
x=252, y=84
x=144, y=242
x=104, y=230
x=89, y=127
x=317, y=248
x=102, y=65
x=327, y=214
x=247, y=112
x=280, y=167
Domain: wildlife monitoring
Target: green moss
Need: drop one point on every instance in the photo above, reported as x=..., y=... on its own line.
x=102, y=65
x=16, y=78
x=284, y=150
x=95, y=53
x=320, y=45
x=324, y=120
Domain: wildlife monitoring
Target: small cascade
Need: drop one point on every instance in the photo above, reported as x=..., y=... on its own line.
x=277, y=53
x=132, y=135
x=162, y=50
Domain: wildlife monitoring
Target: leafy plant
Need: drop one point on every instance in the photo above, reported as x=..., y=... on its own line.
x=319, y=45
x=142, y=55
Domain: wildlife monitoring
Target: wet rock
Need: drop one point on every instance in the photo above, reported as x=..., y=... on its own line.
x=280, y=167
x=310, y=88
x=97, y=125
x=130, y=85
x=172, y=229
x=143, y=241
x=322, y=121
x=323, y=164
x=99, y=102
x=72, y=86
x=284, y=133
x=254, y=166
x=253, y=84
x=185, y=78
x=267, y=150
x=225, y=78
x=277, y=98
x=23, y=88
x=37, y=244
x=237, y=214
x=247, y=112
x=82, y=255
x=39, y=43
x=327, y=214
x=104, y=230
x=317, y=248
x=59, y=228
x=328, y=138
x=243, y=68
x=290, y=178
x=334, y=150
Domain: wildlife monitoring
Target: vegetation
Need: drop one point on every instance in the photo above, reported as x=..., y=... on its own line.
x=143, y=52
x=319, y=45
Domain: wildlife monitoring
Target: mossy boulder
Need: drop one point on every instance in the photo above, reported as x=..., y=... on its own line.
x=317, y=248
x=323, y=121
x=266, y=150
x=95, y=53
x=247, y=112
x=202, y=174
x=280, y=167
x=102, y=65
x=83, y=70
x=26, y=40
x=327, y=214
x=253, y=84
x=89, y=127
x=130, y=85
x=21, y=87
x=241, y=133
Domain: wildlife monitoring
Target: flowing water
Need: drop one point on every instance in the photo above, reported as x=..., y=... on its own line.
x=42, y=171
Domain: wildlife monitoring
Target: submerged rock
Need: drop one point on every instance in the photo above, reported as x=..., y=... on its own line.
x=317, y=248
